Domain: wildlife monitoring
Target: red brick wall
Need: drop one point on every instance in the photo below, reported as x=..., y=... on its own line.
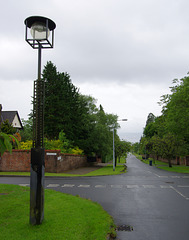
x=67, y=162
x=19, y=161
x=176, y=161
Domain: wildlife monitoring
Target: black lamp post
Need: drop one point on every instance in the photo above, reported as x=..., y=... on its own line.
x=40, y=34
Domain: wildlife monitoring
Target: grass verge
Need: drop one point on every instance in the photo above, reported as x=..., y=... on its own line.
x=66, y=217
x=107, y=170
x=165, y=166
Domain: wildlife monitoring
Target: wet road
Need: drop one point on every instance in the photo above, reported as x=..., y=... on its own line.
x=154, y=202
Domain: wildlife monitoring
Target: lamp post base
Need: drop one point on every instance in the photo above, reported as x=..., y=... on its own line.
x=37, y=186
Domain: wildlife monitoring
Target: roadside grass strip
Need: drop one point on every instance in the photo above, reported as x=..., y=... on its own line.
x=66, y=217
x=175, y=168
x=164, y=166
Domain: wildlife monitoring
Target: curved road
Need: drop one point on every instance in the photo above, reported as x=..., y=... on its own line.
x=154, y=202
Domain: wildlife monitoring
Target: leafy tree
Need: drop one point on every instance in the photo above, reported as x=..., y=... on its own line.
x=176, y=109
x=105, y=123
x=150, y=119
x=6, y=142
x=168, y=148
x=135, y=147
x=27, y=131
x=87, y=138
x=150, y=130
x=168, y=134
x=145, y=147
x=7, y=128
x=121, y=149
x=62, y=110
x=156, y=149
x=75, y=114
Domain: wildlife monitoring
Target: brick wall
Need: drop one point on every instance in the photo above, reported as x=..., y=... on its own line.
x=18, y=161
x=176, y=161
x=55, y=161
x=67, y=162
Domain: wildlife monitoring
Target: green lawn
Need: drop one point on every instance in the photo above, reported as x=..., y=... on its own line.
x=66, y=217
x=165, y=166
x=175, y=168
x=107, y=170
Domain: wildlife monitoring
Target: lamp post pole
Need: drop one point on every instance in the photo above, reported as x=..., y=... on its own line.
x=40, y=31
x=121, y=120
x=37, y=171
x=113, y=150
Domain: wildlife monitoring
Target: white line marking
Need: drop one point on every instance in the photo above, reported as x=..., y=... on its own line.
x=116, y=186
x=84, y=186
x=148, y=186
x=175, y=176
x=182, y=195
x=156, y=175
x=165, y=186
x=132, y=186
x=68, y=185
x=160, y=176
x=53, y=185
x=100, y=186
x=185, y=177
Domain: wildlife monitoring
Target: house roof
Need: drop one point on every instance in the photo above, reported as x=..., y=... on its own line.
x=10, y=115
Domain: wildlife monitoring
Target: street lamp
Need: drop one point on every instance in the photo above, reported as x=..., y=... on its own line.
x=39, y=37
x=121, y=120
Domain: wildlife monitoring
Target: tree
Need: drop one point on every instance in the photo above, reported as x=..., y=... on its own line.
x=6, y=142
x=27, y=131
x=105, y=123
x=150, y=119
x=62, y=110
x=75, y=114
x=7, y=128
x=157, y=145
x=150, y=130
x=168, y=147
x=135, y=147
x=168, y=134
x=176, y=109
x=121, y=148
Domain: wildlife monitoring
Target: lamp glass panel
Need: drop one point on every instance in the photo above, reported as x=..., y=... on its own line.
x=39, y=31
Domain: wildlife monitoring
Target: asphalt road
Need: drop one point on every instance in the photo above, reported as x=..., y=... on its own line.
x=154, y=202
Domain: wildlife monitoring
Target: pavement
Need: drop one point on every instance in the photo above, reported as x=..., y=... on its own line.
x=88, y=169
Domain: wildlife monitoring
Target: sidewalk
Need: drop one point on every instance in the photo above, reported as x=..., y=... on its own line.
x=85, y=170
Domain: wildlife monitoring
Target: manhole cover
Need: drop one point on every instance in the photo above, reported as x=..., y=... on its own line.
x=124, y=228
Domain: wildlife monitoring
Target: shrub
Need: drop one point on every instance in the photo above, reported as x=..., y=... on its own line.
x=62, y=144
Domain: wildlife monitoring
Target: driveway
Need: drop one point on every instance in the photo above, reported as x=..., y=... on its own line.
x=155, y=203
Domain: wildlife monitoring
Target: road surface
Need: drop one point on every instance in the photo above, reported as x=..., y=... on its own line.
x=155, y=203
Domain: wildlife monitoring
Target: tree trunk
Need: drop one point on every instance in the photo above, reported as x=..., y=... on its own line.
x=170, y=165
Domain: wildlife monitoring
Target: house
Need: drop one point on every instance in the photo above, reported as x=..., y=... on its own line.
x=12, y=116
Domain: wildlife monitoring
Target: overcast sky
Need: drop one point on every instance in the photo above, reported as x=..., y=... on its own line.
x=124, y=53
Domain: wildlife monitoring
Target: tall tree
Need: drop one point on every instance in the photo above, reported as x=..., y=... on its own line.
x=66, y=109
x=150, y=119
x=61, y=104
x=176, y=109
